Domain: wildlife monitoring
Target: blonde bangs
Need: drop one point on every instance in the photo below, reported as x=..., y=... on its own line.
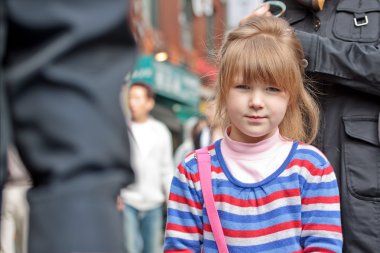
x=269, y=61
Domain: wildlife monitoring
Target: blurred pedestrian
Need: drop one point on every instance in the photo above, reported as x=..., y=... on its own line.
x=62, y=67
x=201, y=135
x=341, y=43
x=209, y=132
x=187, y=144
x=152, y=161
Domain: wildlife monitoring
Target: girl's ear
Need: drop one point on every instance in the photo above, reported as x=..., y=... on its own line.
x=151, y=104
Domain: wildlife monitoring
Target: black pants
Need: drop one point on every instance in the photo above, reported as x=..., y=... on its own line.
x=63, y=63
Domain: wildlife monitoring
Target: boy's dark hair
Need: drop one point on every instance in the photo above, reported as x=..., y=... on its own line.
x=149, y=91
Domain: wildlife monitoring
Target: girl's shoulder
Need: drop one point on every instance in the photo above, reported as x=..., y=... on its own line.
x=190, y=160
x=311, y=154
x=188, y=171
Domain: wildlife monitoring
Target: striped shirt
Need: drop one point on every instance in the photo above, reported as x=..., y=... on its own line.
x=295, y=209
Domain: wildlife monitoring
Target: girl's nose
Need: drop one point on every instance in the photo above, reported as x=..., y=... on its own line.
x=256, y=99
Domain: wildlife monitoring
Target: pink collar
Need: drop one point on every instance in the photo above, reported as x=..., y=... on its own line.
x=251, y=151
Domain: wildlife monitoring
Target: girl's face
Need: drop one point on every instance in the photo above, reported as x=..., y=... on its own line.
x=255, y=110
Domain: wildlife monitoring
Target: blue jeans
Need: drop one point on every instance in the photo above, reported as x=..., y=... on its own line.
x=143, y=230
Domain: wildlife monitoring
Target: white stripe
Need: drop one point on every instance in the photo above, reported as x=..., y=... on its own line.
x=251, y=241
x=320, y=207
x=184, y=208
x=322, y=233
x=251, y=210
x=193, y=185
x=303, y=171
x=187, y=236
x=219, y=176
x=292, y=170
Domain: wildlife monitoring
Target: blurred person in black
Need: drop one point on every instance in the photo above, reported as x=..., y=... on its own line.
x=341, y=40
x=63, y=63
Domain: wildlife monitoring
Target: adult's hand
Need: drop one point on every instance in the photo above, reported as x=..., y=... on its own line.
x=263, y=10
x=119, y=204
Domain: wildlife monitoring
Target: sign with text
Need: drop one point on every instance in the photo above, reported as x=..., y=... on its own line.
x=167, y=80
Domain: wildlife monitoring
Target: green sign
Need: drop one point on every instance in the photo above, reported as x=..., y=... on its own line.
x=167, y=80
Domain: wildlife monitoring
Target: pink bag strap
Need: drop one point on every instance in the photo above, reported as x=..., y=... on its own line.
x=204, y=168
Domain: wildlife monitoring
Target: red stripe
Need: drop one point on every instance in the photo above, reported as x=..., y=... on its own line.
x=323, y=227
x=183, y=229
x=317, y=249
x=257, y=202
x=188, y=175
x=178, y=251
x=259, y=232
x=321, y=200
x=217, y=169
x=180, y=199
x=211, y=147
x=313, y=170
x=195, y=177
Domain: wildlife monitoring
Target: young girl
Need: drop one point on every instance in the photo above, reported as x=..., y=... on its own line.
x=273, y=191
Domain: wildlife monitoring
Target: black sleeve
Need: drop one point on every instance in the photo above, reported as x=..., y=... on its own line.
x=346, y=63
x=4, y=118
x=64, y=65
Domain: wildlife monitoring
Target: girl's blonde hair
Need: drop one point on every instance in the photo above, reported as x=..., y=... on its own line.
x=266, y=49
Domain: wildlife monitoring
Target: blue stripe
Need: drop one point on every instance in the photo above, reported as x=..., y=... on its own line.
x=328, y=243
x=328, y=221
x=316, y=159
x=192, y=166
x=243, y=226
x=279, y=184
x=261, y=217
x=321, y=214
x=317, y=193
x=181, y=188
x=184, y=218
x=320, y=185
x=179, y=243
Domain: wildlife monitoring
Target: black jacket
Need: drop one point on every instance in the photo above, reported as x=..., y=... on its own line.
x=63, y=63
x=344, y=61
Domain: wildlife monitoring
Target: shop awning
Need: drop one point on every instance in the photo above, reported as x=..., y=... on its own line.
x=168, y=80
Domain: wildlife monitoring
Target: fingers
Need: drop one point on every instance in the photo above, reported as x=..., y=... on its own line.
x=119, y=204
x=263, y=10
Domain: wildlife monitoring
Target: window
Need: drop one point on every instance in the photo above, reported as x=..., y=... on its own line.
x=186, y=22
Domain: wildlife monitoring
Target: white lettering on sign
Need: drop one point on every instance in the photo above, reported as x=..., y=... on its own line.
x=143, y=73
x=175, y=83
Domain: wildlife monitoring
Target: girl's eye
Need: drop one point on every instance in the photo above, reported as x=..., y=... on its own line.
x=273, y=89
x=243, y=86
